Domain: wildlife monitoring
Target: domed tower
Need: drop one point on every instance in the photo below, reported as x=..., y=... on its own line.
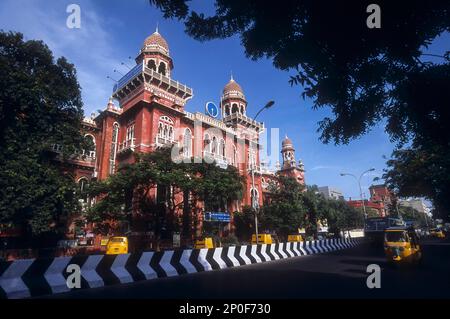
x=155, y=54
x=233, y=99
x=290, y=166
x=234, y=107
x=288, y=152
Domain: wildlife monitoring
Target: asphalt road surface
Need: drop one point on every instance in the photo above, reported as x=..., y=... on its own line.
x=340, y=274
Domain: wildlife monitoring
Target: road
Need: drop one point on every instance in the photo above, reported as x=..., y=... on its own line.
x=340, y=274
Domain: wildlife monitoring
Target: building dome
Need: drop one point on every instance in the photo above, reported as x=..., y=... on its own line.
x=232, y=86
x=233, y=90
x=286, y=142
x=156, y=40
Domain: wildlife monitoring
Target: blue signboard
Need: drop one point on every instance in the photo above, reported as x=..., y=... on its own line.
x=128, y=77
x=217, y=217
x=212, y=109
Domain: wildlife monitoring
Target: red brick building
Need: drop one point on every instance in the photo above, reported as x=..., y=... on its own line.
x=151, y=113
x=380, y=199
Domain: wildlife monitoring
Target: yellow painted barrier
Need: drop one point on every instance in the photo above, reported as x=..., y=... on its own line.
x=262, y=239
x=205, y=243
x=295, y=238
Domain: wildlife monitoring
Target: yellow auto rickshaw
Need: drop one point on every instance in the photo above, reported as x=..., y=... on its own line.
x=117, y=245
x=401, y=245
x=438, y=233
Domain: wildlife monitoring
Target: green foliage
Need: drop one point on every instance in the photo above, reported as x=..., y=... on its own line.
x=285, y=212
x=365, y=76
x=422, y=171
x=229, y=240
x=292, y=207
x=129, y=190
x=216, y=186
x=40, y=104
x=411, y=214
x=245, y=223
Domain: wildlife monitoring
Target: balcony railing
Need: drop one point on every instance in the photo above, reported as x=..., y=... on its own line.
x=127, y=145
x=220, y=159
x=163, y=141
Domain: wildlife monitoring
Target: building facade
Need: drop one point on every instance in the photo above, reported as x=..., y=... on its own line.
x=381, y=200
x=331, y=192
x=151, y=113
x=416, y=203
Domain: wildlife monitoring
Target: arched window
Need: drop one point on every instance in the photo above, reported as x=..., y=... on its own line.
x=130, y=135
x=82, y=184
x=162, y=68
x=222, y=148
x=234, y=108
x=227, y=109
x=113, y=152
x=151, y=65
x=242, y=109
x=234, y=156
x=187, y=144
x=165, y=129
x=90, y=151
x=214, y=148
x=207, y=143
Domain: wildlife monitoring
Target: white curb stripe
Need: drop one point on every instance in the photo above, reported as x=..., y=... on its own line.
x=230, y=255
x=144, y=265
x=166, y=265
x=264, y=252
x=242, y=254
x=184, y=261
x=202, y=259
x=218, y=259
x=89, y=273
x=54, y=275
x=118, y=268
x=254, y=254
x=11, y=280
x=281, y=250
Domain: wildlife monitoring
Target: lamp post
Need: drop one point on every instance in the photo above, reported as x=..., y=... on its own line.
x=360, y=189
x=255, y=204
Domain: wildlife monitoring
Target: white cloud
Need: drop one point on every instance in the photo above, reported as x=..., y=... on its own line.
x=320, y=167
x=91, y=48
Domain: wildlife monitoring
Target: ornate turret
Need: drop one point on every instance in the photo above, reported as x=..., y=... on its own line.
x=233, y=99
x=290, y=166
x=155, y=54
x=153, y=75
x=234, y=107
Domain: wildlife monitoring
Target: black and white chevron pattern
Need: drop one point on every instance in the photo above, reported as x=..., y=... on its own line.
x=43, y=276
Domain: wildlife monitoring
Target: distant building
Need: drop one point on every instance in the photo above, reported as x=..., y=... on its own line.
x=331, y=193
x=416, y=203
x=380, y=199
x=381, y=194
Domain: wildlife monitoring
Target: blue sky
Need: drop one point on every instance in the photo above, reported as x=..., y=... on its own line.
x=113, y=30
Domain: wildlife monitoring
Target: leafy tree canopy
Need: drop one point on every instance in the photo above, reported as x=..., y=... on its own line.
x=40, y=104
x=129, y=189
x=365, y=76
x=341, y=63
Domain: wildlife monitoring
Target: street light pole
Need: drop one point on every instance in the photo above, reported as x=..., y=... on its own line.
x=255, y=204
x=360, y=188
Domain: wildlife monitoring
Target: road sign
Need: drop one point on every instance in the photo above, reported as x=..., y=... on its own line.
x=217, y=217
x=212, y=109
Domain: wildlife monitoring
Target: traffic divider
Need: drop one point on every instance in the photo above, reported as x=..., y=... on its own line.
x=44, y=276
